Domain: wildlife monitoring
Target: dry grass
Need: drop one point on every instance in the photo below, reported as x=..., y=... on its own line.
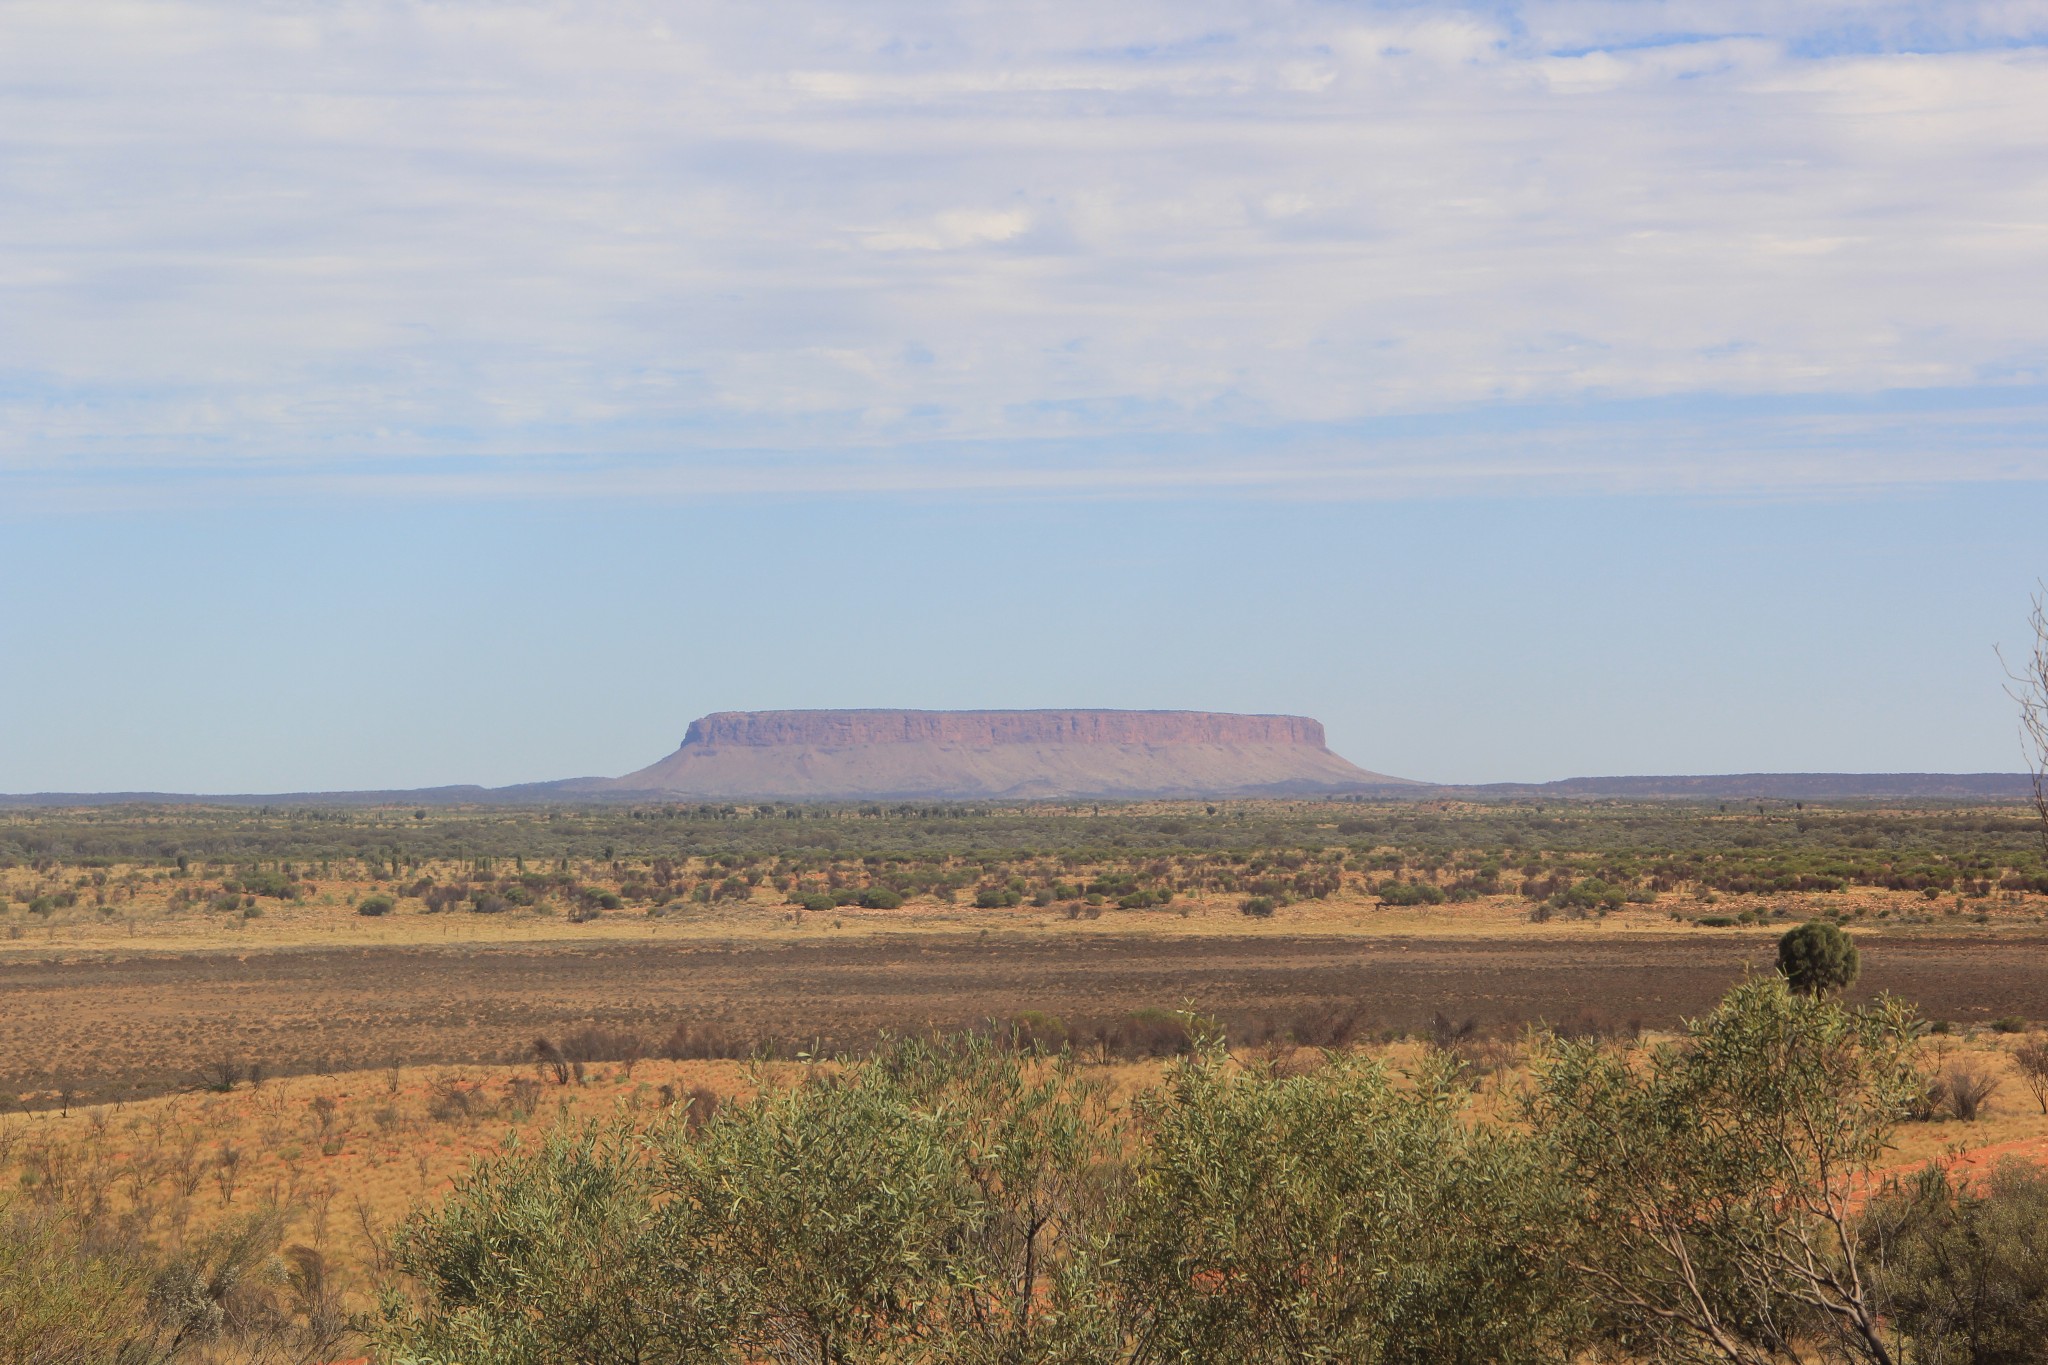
x=344, y=1158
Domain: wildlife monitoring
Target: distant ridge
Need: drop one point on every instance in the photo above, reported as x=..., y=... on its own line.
x=1780, y=787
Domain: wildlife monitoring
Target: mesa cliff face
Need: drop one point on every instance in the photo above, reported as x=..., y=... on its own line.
x=827, y=755
x=844, y=729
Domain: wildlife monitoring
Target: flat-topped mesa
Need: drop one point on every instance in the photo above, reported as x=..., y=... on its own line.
x=845, y=729
x=861, y=755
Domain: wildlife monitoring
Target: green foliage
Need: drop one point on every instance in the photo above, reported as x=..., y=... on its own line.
x=1764, y=851
x=1338, y=1216
x=549, y=1256
x=1257, y=907
x=879, y=898
x=375, y=905
x=1964, y=1271
x=1715, y=1179
x=1590, y=893
x=276, y=885
x=1411, y=893
x=1818, y=958
x=969, y=1201
x=931, y=1204
x=65, y=1303
x=1036, y=1030
x=924, y=1206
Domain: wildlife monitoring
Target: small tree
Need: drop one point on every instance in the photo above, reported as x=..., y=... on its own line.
x=549, y=1255
x=2031, y=1058
x=1348, y=1215
x=2027, y=685
x=1717, y=1179
x=1962, y=1265
x=1817, y=958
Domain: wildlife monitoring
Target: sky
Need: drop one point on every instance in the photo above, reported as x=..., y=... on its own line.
x=400, y=393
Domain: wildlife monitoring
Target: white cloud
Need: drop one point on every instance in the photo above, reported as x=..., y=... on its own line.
x=925, y=246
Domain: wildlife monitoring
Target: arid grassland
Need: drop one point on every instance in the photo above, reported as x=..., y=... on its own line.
x=242, y=1046
x=141, y=944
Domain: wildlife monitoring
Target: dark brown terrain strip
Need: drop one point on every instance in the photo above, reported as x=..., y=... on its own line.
x=114, y=1027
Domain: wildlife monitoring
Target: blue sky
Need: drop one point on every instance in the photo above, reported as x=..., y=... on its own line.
x=400, y=393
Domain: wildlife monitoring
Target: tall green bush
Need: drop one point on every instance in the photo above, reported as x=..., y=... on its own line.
x=1963, y=1268
x=552, y=1255
x=1344, y=1215
x=64, y=1302
x=1715, y=1180
x=1818, y=958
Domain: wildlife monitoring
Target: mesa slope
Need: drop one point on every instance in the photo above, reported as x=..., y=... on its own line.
x=965, y=755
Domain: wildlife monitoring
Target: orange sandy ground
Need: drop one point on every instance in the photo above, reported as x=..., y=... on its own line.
x=347, y=1156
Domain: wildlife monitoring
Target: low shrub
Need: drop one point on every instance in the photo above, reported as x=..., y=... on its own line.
x=375, y=905
x=1590, y=894
x=1962, y=1265
x=1155, y=1032
x=1966, y=1091
x=689, y=1041
x=1035, y=1030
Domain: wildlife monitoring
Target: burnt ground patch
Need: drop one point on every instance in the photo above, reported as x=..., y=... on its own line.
x=110, y=1027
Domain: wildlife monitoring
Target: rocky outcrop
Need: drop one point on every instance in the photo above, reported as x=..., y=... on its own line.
x=847, y=729
x=826, y=755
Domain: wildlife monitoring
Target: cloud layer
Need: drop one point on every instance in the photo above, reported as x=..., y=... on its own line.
x=643, y=248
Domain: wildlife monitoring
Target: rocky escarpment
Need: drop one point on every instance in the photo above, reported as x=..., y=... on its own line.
x=826, y=755
x=846, y=729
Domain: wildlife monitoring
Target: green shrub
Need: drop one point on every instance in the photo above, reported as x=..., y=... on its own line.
x=64, y=1301
x=550, y=1255
x=1037, y=1030
x=1258, y=907
x=1817, y=958
x=1963, y=1270
x=375, y=905
x=879, y=898
x=1711, y=1177
x=1590, y=894
x=275, y=885
x=1338, y=1216
x=1411, y=893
